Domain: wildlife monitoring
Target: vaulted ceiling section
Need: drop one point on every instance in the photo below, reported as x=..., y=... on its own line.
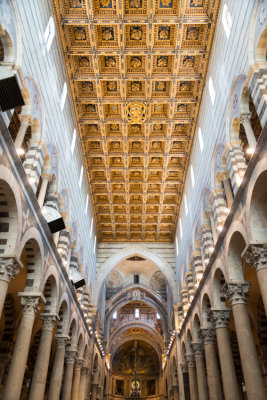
x=136, y=70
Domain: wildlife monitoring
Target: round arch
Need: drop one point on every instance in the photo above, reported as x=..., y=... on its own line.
x=127, y=252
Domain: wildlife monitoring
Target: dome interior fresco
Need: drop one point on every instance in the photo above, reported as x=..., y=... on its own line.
x=136, y=71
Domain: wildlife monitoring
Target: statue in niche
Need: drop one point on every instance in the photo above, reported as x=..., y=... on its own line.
x=84, y=62
x=107, y=33
x=75, y=3
x=162, y=62
x=136, y=86
x=79, y=33
x=135, y=3
x=136, y=62
x=87, y=87
x=192, y=33
x=136, y=33
x=185, y=86
x=112, y=86
x=188, y=61
x=164, y=33
x=110, y=62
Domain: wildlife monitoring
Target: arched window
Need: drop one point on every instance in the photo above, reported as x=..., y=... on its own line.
x=226, y=20
x=49, y=33
x=63, y=96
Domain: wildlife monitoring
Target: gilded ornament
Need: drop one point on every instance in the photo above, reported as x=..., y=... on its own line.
x=136, y=62
x=79, y=33
x=182, y=108
x=192, y=33
x=135, y=3
x=136, y=128
x=75, y=3
x=84, y=62
x=164, y=33
x=110, y=62
x=90, y=108
x=87, y=87
x=136, y=86
x=185, y=86
x=136, y=112
x=162, y=61
x=107, y=33
x=112, y=86
x=196, y=3
x=136, y=33
x=160, y=86
x=165, y=3
x=188, y=61
x=105, y=3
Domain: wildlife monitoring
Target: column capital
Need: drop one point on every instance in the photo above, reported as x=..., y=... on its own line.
x=198, y=349
x=70, y=356
x=79, y=363
x=245, y=118
x=31, y=302
x=190, y=360
x=62, y=341
x=208, y=335
x=220, y=318
x=9, y=267
x=256, y=254
x=236, y=292
x=24, y=119
x=49, y=321
x=183, y=367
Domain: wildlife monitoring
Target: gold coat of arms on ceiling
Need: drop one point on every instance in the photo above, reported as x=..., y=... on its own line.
x=136, y=112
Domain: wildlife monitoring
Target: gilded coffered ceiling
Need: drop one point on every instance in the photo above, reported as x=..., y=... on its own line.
x=136, y=69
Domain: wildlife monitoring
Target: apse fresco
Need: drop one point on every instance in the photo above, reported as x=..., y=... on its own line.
x=147, y=363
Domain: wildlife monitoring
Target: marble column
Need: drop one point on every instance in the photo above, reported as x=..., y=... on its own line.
x=256, y=254
x=201, y=370
x=70, y=358
x=38, y=382
x=83, y=382
x=57, y=370
x=16, y=371
x=41, y=197
x=220, y=320
x=245, y=121
x=9, y=267
x=224, y=175
x=214, y=385
x=76, y=379
x=236, y=293
x=24, y=123
x=190, y=359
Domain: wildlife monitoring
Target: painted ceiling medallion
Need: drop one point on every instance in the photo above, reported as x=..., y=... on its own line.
x=136, y=113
